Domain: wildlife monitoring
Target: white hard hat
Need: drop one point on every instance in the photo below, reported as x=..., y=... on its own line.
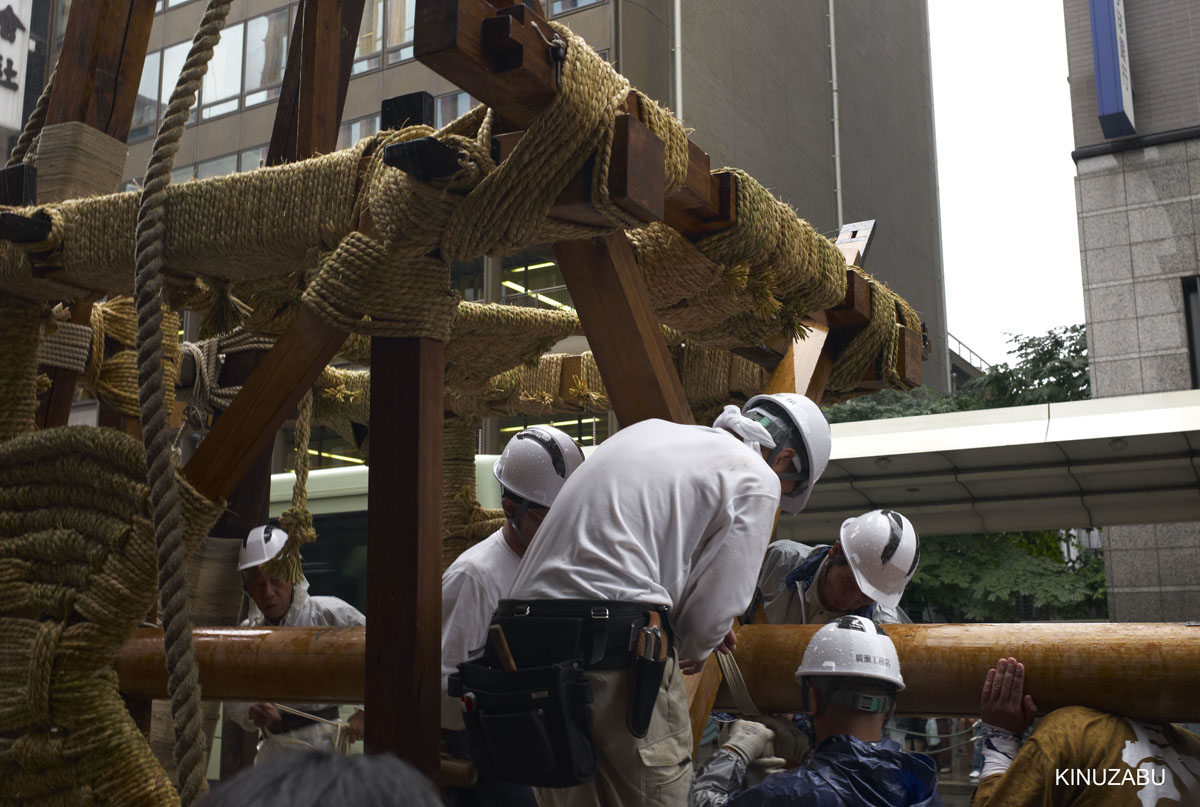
x=853, y=647
x=536, y=462
x=883, y=549
x=262, y=544
x=795, y=420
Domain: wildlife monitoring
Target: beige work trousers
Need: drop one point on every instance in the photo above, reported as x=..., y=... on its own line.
x=654, y=771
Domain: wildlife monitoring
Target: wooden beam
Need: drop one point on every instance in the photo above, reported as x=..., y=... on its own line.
x=404, y=527
x=100, y=65
x=610, y=295
x=512, y=73
x=98, y=74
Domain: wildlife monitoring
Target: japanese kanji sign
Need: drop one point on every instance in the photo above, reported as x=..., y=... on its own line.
x=14, y=53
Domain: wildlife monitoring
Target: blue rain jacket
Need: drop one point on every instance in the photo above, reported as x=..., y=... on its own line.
x=847, y=772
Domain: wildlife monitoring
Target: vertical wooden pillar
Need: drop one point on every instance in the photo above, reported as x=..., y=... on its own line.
x=404, y=527
x=99, y=71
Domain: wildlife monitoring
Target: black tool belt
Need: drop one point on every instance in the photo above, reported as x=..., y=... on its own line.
x=289, y=722
x=602, y=634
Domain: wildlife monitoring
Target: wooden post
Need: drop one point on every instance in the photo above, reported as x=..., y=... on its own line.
x=404, y=527
x=98, y=74
x=306, y=124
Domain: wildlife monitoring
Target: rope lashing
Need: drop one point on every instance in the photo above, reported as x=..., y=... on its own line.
x=296, y=521
x=150, y=280
x=77, y=554
x=20, y=324
x=68, y=347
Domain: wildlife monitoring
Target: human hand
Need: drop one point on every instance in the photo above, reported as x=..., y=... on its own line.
x=790, y=742
x=761, y=768
x=689, y=666
x=264, y=715
x=728, y=644
x=749, y=740
x=357, y=723
x=1003, y=703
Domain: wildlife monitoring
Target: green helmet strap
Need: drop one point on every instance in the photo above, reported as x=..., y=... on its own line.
x=861, y=701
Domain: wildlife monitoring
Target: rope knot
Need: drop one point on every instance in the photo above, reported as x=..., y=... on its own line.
x=41, y=669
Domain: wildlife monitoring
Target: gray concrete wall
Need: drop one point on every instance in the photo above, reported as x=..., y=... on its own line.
x=1139, y=235
x=756, y=87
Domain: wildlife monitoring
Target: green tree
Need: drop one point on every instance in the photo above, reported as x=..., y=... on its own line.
x=1007, y=576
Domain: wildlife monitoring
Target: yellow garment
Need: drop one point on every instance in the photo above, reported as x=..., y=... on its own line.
x=1079, y=757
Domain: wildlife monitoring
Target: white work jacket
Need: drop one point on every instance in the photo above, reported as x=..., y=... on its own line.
x=660, y=513
x=798, y=606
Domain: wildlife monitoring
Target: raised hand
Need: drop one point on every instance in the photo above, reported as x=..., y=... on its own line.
x=1003, y=702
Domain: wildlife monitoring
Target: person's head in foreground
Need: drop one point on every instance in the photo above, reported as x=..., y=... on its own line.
x=316, y=779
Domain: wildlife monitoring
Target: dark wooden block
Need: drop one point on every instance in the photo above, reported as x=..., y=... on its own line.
x=410, y=109
x=18, y=185
x=425, y=158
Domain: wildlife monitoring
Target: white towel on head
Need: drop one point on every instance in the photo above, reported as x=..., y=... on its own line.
x=753, y=433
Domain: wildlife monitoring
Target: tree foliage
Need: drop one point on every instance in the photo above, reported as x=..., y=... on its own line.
x=1001, y=577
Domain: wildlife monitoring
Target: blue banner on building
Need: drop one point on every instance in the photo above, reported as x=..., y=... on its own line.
x=1110, y=48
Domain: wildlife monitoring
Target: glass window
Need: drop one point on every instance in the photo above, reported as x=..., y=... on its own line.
x=353, y=131
x=563, y=6
x=532, y=279
x=145, y=106
x=451, y=106
x=267, y=39
x=173, y=3
x=586, y=428
x=130, y=185
x=401, y=18
x=223, y=81
x=467, y=279
x=370, y=38
x=172, y=65
x=182, y=173
x=251, y=159
x=218, y=166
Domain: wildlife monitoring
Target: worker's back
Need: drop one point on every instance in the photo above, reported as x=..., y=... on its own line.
x=660, y=513
x=848, y=772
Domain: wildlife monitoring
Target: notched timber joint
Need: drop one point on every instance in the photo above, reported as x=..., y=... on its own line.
x=24, y=229
x=425, y=158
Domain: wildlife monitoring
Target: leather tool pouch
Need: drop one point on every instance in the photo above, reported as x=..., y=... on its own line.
x=528, y=726
x=649, y=663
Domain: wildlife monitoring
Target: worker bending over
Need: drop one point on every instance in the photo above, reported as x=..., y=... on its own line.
x=1076, y=756
x=863, y=573
x=274, y=601
x=849, y=676
x=531, y=471
x=652, y=549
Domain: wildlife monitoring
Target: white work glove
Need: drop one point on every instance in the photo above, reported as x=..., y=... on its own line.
x=790, y=742
x=749, y=740
x=761, y=768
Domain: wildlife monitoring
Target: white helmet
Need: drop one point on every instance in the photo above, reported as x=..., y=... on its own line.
x=883, y=549
x=536, y=462
x=262, y=544
x=852, y=647
x=796, y=422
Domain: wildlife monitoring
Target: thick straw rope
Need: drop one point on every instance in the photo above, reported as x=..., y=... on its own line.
x=183, y=676
x=33, y=126
x=296, y=521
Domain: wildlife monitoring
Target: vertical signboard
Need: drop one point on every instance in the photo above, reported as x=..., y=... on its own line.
x=14, y=53
x=1110, y=49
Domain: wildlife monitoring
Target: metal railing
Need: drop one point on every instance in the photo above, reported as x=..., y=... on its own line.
x=973, y=358
x=553, y=297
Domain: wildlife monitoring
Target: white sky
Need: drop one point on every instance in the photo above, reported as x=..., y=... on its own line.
x=1010, y=243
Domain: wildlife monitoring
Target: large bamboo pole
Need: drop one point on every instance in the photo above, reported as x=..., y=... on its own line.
x=1144, y=670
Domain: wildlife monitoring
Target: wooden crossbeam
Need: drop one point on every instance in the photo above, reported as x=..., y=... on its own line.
x=98, y=74
x=623, y=332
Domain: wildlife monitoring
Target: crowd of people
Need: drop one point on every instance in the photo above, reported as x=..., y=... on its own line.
x=568, y=633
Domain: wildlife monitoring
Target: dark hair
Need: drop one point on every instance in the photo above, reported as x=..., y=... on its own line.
x=317, y=779
x=840, y=558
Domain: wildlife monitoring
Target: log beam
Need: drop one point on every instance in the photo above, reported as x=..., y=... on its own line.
x=1147, y=671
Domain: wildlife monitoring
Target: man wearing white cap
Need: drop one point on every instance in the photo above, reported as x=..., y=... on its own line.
x=531, y=470
x=849, y=677
x=863, y=573
x=274, y=601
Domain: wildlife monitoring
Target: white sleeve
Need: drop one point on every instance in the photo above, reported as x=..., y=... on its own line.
x=466, y=613
x=723, y=574
x=346, y=615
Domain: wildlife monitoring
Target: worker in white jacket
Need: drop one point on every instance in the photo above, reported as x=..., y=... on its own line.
x=531, y=471
x=663, y=519
x=277, y=602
